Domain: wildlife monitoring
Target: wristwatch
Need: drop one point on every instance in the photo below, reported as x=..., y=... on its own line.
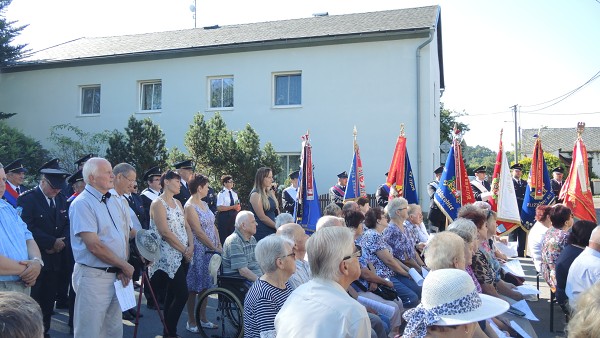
x=39, y=260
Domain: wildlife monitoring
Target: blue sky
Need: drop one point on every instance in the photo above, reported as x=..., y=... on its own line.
x=496, y=53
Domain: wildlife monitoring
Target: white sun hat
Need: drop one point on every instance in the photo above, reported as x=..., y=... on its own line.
x=148, y=244
x=449, y=297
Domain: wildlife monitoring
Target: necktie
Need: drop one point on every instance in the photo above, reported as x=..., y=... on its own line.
x=231, y=202
x=52, y=205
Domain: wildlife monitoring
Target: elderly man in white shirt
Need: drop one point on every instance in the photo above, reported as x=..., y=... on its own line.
x=321, y=307
x=415, y=224
x=585, y=270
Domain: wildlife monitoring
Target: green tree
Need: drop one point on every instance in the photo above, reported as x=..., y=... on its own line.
x=71, y=142
x=9, y=52
x=4, y=116
x=448, y=118
x=196, y=140
x=15, y=144
x=176, y=155
x=477, y=156
x=142, y=145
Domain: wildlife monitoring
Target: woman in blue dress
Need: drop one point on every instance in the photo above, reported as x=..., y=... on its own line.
x=263, y=203
x=206, y=238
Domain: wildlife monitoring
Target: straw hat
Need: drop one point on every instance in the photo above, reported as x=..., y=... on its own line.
x=449, y=297
x=148, y=244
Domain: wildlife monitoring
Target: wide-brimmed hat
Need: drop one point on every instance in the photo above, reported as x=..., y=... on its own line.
x=213, y=267
x=148, y=244
x=449, y=297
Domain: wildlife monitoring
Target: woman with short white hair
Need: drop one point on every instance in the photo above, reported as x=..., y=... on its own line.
x=277, y=260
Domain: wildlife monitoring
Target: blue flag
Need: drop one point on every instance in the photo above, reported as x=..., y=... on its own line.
x=308, y=201
x=538, y=191
x=355, y=187
x=410, y=187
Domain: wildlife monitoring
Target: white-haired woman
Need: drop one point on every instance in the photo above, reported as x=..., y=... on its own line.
x=263, y=203
x=276, y=258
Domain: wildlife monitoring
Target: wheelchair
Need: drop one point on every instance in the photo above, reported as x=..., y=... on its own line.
x=224, y=306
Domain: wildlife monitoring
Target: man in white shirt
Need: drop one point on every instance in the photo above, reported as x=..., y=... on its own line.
x=321, y=307
x=228, y=206
x=416, y=226
x=585, y=270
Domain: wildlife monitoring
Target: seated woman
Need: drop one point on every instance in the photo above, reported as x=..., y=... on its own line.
x=276, y=258
x=554, y=241
x=536, y=235
x=450, y=307
x=577, y=240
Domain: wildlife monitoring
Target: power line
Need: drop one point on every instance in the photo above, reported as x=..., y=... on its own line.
x=563, y=114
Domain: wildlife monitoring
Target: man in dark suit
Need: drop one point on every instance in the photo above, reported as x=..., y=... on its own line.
x=45, y=213
x=290, y=194
x=436, y=217
x=185, y=169
x=557, y=181
x=337, y=192
x=481, y=187
x=15, y=175
x=152, y=178
x=382, y=194
x=520, y=185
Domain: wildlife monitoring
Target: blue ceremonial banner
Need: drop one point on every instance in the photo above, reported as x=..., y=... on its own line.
x=352, y=188
x=539, y=191
x=410, y=187
x=445, y=195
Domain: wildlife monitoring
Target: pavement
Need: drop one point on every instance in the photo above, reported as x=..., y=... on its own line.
x=150, y=325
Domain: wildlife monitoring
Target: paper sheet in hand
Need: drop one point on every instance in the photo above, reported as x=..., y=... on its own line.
x=381, y=308
x=514, y=267
x=416, y=276
x=524, y=307
x=527, y=290
x=499, y=333
x=509, y=250
x=125, y=295
x=519, y=329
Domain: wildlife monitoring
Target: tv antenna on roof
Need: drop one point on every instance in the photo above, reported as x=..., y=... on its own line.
x=193, y=10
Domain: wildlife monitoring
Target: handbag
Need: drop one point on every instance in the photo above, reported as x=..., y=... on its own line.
x=386, y=292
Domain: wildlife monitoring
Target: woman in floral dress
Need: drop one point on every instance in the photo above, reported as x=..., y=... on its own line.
x=555, y=239
x=206, y=238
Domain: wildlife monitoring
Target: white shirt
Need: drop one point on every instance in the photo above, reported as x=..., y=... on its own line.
x=322, y=308
x=583, y=273
x=293, y=192
x=223, y=199
x=534, y=244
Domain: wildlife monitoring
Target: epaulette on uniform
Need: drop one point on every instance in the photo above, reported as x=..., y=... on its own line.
x=27, y=192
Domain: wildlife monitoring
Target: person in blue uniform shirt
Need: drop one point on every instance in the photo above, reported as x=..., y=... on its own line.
x=185, y=169
x=336, y=193
x=557, y=182
x=15, y=175
x=211, y=199
x=481, y=187
x=436, y=217
x=228, y=206
x=520, y=185
x=290, y=194
x=382, y=195
x=44, y=210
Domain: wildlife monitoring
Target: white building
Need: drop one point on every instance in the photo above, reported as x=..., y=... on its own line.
x=325, y=74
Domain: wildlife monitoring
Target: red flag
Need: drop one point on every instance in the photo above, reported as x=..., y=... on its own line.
x=463, y=185
x=396, y=173
x=576, y=192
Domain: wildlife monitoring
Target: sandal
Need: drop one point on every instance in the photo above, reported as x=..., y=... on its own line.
x=208, y=325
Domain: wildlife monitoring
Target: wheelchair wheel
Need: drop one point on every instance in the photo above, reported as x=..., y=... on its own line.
x=224, y=310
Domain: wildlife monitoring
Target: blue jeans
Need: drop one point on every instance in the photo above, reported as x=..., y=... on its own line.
x=408, y=291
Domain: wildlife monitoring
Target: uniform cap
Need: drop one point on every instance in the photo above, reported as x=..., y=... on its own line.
x=294, y=174
x=343, y=174
x=480, y=169
x=187, y=164
x=54, y=174
x=439, y=170
x=558, y=170
x=517, y=166
x=154, y=171
x=83, y=159
x=15, y=167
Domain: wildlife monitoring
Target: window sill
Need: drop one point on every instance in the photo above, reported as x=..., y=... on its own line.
x=219, y=109
x=88, y=115
x=149, y=111
x=291, y=106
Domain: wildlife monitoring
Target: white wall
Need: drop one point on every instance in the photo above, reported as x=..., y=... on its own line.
x=370, y=85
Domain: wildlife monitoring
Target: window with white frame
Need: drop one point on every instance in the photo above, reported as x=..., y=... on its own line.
x=90, y=100
x=151, y=95
x=287, y=89
x=289, y=162
x=221, y=92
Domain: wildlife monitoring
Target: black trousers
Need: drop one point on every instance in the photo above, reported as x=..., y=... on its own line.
x=177, y=295
x=44, y=293
x=520, y=236
x=159, y=286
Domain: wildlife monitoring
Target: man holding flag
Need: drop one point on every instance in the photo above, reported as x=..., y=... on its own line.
x=538, y=191
x=337, y=192
x=401, y=179
x=520, y=185
x=355, y=184
x=308, y=199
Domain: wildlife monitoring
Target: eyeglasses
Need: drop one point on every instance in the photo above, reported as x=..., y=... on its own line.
x=356, y=253
x=293, y=254
x=127, y=178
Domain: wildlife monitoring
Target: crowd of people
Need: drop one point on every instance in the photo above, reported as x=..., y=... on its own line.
x=367, y=271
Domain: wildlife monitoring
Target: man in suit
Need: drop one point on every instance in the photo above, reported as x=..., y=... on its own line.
x=185, y=169
x=481, y=187
x=520, y=185
x=152, y=178
x=290, y=194
x=336, y=193
x=436, y=217
x=557, y=182
x=382, y=195
x=15, y=175
x=45, y=213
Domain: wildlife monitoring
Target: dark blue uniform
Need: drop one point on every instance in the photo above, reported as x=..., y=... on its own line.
x=211, y=200
x=184, y=194
x=46, y=225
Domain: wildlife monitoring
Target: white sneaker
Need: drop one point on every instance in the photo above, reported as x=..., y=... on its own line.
x=207, y=325
x=192, y=329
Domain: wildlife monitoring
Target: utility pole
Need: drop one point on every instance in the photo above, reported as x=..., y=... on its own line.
x=514, y=108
